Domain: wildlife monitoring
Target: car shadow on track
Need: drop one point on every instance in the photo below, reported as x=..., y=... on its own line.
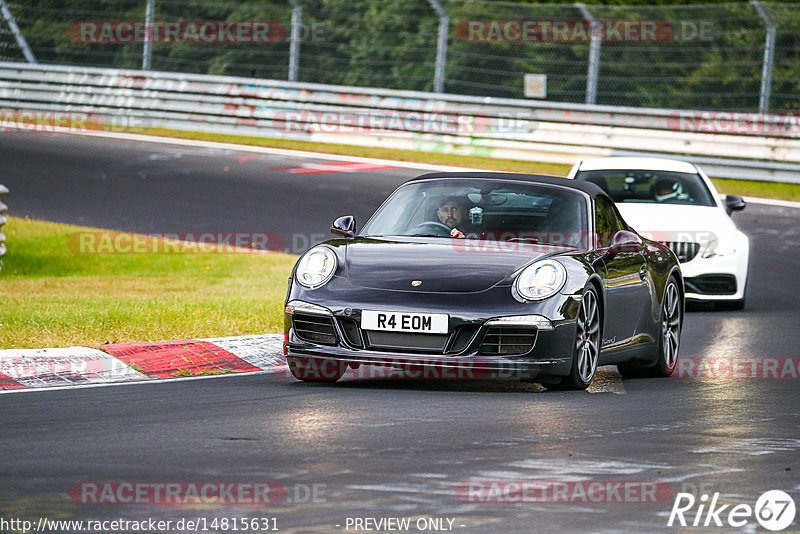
x=607, y=380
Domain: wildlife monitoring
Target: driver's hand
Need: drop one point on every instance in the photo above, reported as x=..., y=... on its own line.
x=455, y=232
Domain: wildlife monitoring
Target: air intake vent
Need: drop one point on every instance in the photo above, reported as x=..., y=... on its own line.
x=402, y=341
x=314, y=328
x=685, y=251
x=352, y=332
x=508, y=340
x=712, y=284
x=461, y=339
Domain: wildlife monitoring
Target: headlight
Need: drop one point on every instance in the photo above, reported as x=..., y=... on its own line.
x=541, y=280
x=316, y=267
x=723, y=246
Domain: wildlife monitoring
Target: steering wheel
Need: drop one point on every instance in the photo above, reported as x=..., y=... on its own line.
x=437, y=227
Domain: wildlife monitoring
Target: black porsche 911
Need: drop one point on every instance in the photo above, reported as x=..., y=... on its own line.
x=474, y=274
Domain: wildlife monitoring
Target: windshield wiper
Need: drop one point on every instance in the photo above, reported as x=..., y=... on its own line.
x=558, y=244
x=537, y=242
x=526, y=239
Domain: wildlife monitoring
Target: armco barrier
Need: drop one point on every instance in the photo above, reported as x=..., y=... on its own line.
x=490, y=127
x=3, y=220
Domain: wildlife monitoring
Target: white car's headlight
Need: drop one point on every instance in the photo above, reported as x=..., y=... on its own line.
x=541, y=280
x=316, y=267
x=722, y=246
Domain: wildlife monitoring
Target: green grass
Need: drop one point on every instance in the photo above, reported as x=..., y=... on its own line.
x=436, y=158
x=753, y=188
x=55, y=297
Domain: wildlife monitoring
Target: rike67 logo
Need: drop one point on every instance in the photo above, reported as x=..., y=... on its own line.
x=774, y=510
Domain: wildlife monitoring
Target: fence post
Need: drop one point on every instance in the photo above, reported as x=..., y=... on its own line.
x=769, y=56
x=294, y=40
x=594, y=56
x=12, y=23
x=441, y=46
x=147, y=51
x=3, y=220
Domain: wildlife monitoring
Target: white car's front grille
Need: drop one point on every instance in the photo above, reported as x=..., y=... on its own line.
x=685, y=251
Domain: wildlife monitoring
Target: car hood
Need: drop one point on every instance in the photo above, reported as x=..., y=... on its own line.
x=675, y=222
x=441, y=265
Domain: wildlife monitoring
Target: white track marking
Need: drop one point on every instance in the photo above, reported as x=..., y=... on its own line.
x=36, y=368
x=264, y=352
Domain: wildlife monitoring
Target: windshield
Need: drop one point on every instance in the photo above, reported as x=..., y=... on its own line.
x=482, y=209
x=661, y=187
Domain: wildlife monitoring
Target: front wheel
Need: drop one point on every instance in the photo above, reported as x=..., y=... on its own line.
x=586, y=351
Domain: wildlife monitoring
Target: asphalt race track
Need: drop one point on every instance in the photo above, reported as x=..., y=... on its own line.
x=149, y=187
x=376, y=448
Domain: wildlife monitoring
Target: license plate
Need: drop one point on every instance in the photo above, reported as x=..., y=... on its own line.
x=421, y=323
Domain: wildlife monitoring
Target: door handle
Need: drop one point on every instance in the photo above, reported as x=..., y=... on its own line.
x=643, y=272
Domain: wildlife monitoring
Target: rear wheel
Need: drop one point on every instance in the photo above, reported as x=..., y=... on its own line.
x=316, y=369
x=669, y=337
x=586, y=351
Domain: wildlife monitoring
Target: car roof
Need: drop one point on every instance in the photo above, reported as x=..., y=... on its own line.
x=638, y=163
x=585, y=187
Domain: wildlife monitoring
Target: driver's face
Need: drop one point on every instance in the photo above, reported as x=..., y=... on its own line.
x=664, y=189
x=450, y=214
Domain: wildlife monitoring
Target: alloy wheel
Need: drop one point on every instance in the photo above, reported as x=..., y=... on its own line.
x=588, y=338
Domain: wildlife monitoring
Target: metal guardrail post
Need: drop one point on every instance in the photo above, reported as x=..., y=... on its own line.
x=594, y=56
x=441, y=46
x=12, y=23
x=769, y=57
x=294, y=40
x=147, y=51
x=3, y=220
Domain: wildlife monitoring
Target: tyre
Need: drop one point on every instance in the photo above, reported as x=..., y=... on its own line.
x=669, y=338
x=316, y=369
x=586, y=351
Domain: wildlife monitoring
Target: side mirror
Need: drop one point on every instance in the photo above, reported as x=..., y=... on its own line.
x=625, y=241
x=344, y=226
x=734, y=203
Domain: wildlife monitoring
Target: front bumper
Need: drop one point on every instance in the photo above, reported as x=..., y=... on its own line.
x=719, y=278
x=463, y=354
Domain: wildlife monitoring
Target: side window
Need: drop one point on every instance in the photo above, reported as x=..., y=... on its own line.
x=620, y=221
x=606, y=221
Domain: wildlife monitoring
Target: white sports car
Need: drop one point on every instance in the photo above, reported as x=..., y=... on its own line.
x=674, y=202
